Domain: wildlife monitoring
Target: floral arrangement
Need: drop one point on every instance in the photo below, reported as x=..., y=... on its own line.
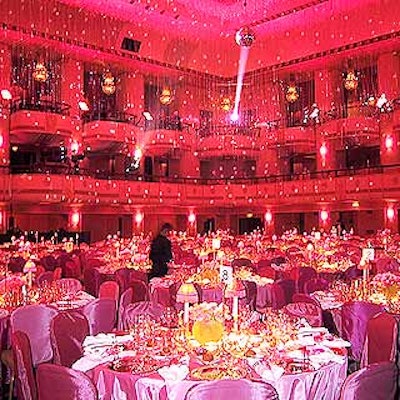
x=388, y=283
x=209, y=311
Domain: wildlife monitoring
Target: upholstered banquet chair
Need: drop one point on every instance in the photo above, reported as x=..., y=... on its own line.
x=374, y=382
x=91, y=279
x=71, y=285
x=304, y=298
x=289, y=287
x=146, y=308
x=101, y=315
x=35, y=320
x=109, y=290
x=125, y=299
x=241, y=262
x=278, y=299
x=232, y=389
x=381, y=339
x=316, y=284
x=23, y=367
x=140, y=290
x=311, y=312
x=56, y=382
x=67, y=332
x=355, y=316
x=47, y=276
x=306, y=274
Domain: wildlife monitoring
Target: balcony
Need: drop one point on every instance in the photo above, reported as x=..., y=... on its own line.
x=229, y=141
x=109, y=131
x=298, y=139
x=43, y=122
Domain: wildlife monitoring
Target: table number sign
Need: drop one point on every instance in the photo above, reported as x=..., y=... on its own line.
x=368, y=254
x=226, y=274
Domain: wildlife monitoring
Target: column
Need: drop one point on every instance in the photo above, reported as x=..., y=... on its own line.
x=72, y=93
x=391, y=218
x=130, y=93
x=5, y=117
x=388, y=83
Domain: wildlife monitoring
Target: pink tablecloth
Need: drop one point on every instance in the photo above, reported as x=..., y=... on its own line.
x=324, y=383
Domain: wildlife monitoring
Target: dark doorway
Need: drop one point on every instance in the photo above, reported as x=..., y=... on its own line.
x=247, y=225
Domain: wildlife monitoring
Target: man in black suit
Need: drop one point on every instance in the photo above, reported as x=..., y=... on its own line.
x=161, y=252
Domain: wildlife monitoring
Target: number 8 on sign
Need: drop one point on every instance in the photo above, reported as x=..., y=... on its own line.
x=226, y=274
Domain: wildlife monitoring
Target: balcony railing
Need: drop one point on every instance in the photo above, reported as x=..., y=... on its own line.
x=63, y=168
x=113, y=115
x=49, y=106
x=229, y=130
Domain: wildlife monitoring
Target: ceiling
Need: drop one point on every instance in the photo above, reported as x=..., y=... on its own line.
x=203, y=17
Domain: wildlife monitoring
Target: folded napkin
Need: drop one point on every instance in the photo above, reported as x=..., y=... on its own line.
x=268, y=372
x=336, y=343
x=100, y=339
x=318, y=360
x=174, y=373
x=86, y=363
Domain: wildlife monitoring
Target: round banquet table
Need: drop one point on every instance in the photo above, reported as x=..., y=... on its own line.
x=324, y=383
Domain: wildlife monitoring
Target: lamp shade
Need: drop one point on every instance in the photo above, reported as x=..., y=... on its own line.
x=187, y=293
x=236, y=289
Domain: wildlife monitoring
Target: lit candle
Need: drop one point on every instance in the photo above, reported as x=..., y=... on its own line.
x=186, y=313
x=235, y=307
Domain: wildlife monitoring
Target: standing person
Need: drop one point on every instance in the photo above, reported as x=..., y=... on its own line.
x=161, y=252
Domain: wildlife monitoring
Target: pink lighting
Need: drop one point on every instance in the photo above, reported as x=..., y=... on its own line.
x=6, y=94
x=74, y=147
x=83, y=105
x=390, y=213
x=139, y=217
x=268, y=217
x=192, y=218
x=389, y=142
x=244, y=55
x=323, y=150
x=324, y=216
x=75, y=218
x=1, y=140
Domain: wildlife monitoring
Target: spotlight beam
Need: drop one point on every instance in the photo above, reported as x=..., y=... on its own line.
x=244, y=55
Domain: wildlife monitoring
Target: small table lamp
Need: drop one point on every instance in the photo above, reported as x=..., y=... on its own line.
x=187, y=294
x=235, y=291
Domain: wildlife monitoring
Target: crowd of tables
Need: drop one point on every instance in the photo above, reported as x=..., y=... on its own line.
x=255, y=339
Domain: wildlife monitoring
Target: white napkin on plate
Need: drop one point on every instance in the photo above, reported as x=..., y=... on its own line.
x=86, y=363
x=268, y=372
x=98, y=340
x=175, y=373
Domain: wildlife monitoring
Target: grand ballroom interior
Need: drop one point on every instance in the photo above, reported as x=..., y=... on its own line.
x=199, y=199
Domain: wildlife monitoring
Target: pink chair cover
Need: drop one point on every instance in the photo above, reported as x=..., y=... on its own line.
x=232, y=389
x=34, y=320
x=49, y=263
x=140, y=290
x=57, y=274
x=381, y=339
x=310, y=311
x=55, y=382
x=143, y=308
x=277, y=296
x=68, y=331
x=71, y=270
x=305, y=275
x=125, y=299
x=109, y=290
x=241, y=262
x=251, y=294
x=375, y=382
x=72, y=285
x=289, y=288
x=25, y=376
x=47, y=276
x=101, y=315
x=386, y=264
x=314, y=285
x=124, y=276
x=355, y=316
x=91, y=280
x=304, y=298
x=265, y=270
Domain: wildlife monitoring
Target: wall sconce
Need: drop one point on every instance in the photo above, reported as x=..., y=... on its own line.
x=108, y=84
x=324, y=216
x=192, y=218
x=323, y=150
x=389, y=142
x=75, y=219
x=268, y=217
x=351, y=81
x=390, y=213
x=139, y=217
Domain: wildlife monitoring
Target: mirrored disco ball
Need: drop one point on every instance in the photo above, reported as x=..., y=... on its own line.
x=245, y=37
